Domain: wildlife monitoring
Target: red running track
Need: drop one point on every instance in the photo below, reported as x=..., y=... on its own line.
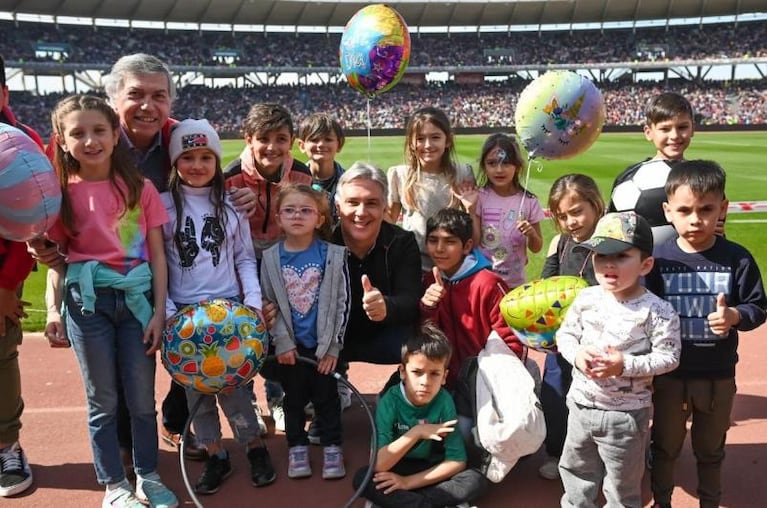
x=55, y=439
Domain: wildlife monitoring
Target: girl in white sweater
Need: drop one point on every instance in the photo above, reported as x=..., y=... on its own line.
x=210, y=255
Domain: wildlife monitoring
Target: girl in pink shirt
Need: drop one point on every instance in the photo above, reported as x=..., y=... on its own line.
x=506, y=216
x=114, y=290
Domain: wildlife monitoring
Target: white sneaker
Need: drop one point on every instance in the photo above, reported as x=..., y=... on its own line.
x=550, y=469
x=121, y=496
x=15, y=473
x=278, y=414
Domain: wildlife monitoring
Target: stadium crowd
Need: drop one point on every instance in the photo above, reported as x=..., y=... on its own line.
x=85, y=44
x=490, y=104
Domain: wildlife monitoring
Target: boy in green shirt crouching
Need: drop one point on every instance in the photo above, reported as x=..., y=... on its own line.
x=421, y=458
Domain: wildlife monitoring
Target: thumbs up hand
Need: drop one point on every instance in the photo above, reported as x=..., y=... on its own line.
x=723, y=318
x=435, y=292
x=373, y=302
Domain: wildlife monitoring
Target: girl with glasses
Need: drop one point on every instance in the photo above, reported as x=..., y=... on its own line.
x=308, y=280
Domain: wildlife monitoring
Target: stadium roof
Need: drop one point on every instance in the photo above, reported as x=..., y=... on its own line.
x=416, y=13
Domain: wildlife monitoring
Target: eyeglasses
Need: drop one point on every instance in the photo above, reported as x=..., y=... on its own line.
x=304, y=211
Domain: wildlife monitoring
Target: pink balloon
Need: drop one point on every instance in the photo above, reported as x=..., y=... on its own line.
x=30, y=195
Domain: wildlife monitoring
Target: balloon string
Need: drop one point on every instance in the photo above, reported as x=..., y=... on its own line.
x=369, y=123
x=526, y=188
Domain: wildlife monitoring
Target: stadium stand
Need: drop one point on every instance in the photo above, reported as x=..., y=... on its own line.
x=489, y=104
x=486, y=105
x=85, y=44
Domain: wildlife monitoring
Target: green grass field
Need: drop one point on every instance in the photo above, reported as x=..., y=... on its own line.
x=740, y=153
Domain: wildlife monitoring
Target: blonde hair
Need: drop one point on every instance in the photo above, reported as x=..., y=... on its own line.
x=320, y=198
x=439, y=119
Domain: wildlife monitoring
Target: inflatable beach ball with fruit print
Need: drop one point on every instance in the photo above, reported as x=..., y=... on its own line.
x=214, y=346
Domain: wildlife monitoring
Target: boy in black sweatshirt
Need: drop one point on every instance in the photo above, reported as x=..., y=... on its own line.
x=715, y=286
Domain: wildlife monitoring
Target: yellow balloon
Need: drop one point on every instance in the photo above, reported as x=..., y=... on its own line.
x=540, y=305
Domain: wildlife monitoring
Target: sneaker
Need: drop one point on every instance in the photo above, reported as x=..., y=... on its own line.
x=333, y=463
x=193, y=450
x=278, y=414
x=151, y=491
x=262, y=429
x=15, y=474
x=121, y=496
x=214, y=473
x=314, y=433
x=262, y=471
x=345, y=394
x=550, y=469
x=298, y=462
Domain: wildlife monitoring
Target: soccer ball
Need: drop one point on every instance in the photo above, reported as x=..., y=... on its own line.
x=641, y=189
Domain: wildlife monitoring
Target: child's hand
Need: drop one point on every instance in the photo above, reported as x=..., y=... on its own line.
x=288, y=358
x=244, y=199
x=719, y=229
x=269, y=313
x=435, y=292
x=468, y=195
x=55, y=332
x=608, y=364
x=11, y=308
x=389, y=482
x=434, y=431
x=46, y=252
x=585, y=359
x=373, y=302
x=723, y=318
x=327, y=364
x=524, y=226
x=153, y=333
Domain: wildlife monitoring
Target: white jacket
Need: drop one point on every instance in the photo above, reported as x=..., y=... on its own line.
x=510, y=421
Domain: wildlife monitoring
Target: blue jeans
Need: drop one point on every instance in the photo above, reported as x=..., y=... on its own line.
x=557, y=378
x=108, y=344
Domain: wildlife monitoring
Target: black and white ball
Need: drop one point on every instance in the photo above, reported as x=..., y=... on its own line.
x=641, y=189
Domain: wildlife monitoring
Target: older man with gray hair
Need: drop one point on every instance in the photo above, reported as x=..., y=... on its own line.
x=384, y=269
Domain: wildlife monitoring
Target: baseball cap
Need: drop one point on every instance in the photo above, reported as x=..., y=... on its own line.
x=619, y=231
x=193, y=134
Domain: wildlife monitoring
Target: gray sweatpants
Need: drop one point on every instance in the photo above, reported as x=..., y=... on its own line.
x=604, y=449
